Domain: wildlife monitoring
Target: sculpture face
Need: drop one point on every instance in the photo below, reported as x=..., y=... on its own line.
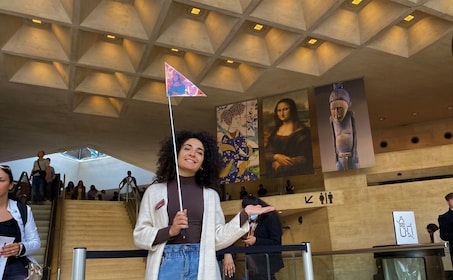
x=338, y=110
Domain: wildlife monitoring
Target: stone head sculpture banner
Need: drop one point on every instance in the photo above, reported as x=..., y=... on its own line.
x=344, y=126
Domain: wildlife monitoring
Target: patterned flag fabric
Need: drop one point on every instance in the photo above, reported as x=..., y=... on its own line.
x=178, y=85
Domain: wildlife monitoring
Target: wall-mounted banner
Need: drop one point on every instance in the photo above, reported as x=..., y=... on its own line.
x=286, y=134
x=237, y=135
x=344, y=126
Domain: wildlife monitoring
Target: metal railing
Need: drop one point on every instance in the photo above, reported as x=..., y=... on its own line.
x=132, y=204
x=80, y=255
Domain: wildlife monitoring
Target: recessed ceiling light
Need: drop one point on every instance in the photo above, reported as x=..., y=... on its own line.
x=174, y=50
x=110, y=36
x=258, y=27
x=312, y=43
x=195, y=11
x=381, y=119
x=414, y=114
x=36, y=21
x=355, y=5
x=408, y=18
x=229, y=61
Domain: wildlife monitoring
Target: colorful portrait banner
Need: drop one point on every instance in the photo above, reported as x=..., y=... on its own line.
x=286, y=135
x=237, y=135
x=344, y=126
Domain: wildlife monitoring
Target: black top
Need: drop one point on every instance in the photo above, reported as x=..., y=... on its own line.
x=10, y=228
x=268, y=232
x=446, y=226
x=192, y=200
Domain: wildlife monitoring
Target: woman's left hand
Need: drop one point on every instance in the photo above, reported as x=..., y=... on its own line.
x=10, y=250
x=228, y=265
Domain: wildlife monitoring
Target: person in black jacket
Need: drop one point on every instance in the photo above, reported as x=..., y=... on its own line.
x=264, y=231
x=446, y=224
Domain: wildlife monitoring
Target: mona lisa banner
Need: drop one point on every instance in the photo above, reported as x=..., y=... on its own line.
x=286, y=134
x=344, y=126
x=237, y=135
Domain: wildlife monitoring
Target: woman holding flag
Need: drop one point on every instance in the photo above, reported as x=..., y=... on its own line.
x=182, y=241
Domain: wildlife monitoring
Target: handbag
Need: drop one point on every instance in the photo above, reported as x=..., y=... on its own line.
x=34, y=271
x=41, y=173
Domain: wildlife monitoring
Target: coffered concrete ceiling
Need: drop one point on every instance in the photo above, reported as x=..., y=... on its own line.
x=65, y=85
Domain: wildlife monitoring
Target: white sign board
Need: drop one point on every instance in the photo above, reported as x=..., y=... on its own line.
x=405, y=229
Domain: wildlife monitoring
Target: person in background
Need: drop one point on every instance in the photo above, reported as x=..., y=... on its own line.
x=261, y=190
x=446, y=224
x=289, y=188
x=434, y=236
x=92, y=193
x=69, y=190
x=40, y=173
x=434, y=233
x=49, y=182
x=128, y=181
x=182, y=243
x=115, y=197
x=243, y=193
x=265, y=230
x=26, y=238
x=79, y=192
x=100, y=195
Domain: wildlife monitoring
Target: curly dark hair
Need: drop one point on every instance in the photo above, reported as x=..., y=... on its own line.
x=207, y=176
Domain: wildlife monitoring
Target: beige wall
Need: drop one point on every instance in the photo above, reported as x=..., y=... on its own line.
x=361, y=215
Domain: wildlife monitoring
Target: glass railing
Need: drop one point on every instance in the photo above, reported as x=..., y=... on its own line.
x=80, y=256
x=406, y=262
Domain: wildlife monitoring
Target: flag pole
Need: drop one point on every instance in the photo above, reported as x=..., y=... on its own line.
x=175, y=153
x=187, y=85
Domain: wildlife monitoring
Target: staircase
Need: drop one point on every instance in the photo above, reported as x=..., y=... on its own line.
x=98, y=225
x=41, y=214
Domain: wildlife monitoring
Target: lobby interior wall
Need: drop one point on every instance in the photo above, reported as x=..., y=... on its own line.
x=364, y=218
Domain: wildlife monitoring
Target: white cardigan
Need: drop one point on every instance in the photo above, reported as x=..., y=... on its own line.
x=215, y=233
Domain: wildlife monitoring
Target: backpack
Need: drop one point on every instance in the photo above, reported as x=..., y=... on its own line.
x=23, y=212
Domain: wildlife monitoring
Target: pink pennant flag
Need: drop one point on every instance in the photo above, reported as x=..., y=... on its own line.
x=178, y=85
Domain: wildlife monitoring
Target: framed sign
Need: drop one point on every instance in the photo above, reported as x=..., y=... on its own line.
x=405, y=229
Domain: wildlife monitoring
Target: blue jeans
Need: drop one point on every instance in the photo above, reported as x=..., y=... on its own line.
x=38, y=188
x=180, y=262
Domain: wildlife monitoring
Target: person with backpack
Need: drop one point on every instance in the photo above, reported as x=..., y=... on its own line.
x=17, y=223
